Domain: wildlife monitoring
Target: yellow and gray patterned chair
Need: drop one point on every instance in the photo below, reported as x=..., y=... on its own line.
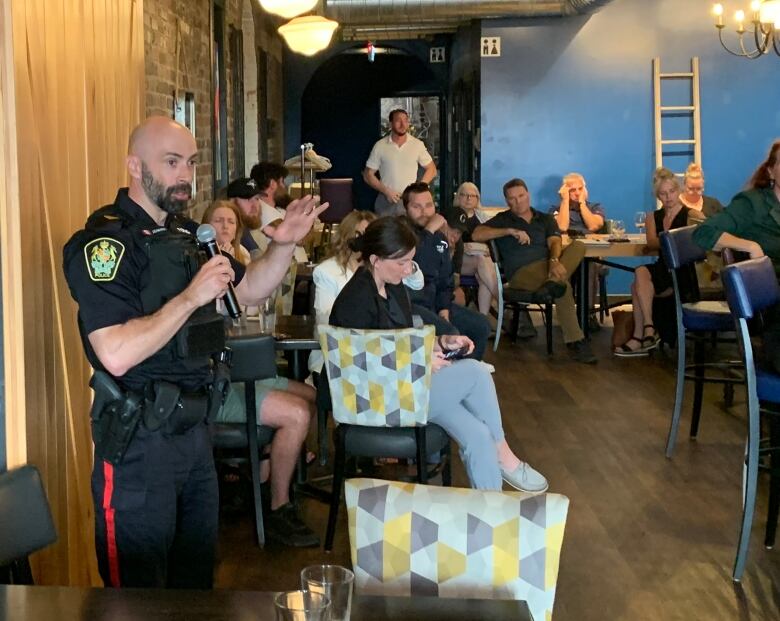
x=419, y=540
x=380, y=384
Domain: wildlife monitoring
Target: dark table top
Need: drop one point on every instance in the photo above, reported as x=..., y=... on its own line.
x=292, y=332
x=25, y=603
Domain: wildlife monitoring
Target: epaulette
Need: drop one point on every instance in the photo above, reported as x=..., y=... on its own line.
x=107, y=218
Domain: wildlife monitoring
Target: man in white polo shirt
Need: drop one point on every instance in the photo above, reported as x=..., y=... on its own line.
x=397, y=158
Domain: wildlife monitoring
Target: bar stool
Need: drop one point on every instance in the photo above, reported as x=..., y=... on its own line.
x=697, y=320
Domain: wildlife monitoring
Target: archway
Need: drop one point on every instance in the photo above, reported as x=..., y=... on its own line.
x=340, y=111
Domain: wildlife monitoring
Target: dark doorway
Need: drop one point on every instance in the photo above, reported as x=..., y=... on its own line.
x=341, y=108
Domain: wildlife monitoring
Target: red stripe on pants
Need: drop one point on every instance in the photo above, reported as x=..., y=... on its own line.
x=108, y=513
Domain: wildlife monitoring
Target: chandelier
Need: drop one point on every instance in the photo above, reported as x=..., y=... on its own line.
x=764, y=26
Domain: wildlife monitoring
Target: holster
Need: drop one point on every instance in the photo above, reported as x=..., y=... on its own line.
x=173, y=411
x=115, y=416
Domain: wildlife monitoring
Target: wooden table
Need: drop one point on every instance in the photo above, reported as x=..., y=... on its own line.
x=37, y=603
x=598, y=249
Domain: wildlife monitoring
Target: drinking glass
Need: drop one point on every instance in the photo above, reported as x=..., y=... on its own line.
x=301, y=606
x=335, y=583
x=639, y=220
x=268, y=315
x=618, y=229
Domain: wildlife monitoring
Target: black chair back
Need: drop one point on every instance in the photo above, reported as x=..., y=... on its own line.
x=337, y=192
x=254, y=358
x=26, y=524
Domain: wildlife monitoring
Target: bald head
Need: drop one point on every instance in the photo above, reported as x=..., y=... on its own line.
x=153, y=131
x=161, y=160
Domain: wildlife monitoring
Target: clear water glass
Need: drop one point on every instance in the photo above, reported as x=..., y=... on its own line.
x=268, y=315
x=334, y=582
x=618, y=229
x=301, y=606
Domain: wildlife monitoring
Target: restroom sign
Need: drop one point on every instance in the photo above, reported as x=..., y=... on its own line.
x=490, y=46
x=437, y=55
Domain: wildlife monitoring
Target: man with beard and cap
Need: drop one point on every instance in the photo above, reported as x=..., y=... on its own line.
x=246, y=196
x=150, y=330
x=397, y=158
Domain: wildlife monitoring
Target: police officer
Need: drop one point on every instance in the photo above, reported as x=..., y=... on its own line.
x=434, y=302
x=149, y=327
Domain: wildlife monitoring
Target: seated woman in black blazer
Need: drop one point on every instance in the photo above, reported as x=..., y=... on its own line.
x=463, y=397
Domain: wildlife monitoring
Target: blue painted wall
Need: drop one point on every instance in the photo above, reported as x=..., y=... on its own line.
x=576, y=94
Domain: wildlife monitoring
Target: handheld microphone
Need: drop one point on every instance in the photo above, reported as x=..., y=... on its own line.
x=207, y=239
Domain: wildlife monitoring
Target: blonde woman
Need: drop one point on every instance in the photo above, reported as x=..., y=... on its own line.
x=693, y=195
x=654, y=280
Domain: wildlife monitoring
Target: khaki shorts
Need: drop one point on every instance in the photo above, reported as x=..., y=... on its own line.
x=234, y=411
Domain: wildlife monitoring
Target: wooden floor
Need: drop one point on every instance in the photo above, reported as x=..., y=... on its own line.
x=647, y=538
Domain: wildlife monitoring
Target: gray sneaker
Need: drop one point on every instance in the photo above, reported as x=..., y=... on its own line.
x=526, y=479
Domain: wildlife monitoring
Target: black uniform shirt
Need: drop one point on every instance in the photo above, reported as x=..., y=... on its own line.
x=106, y=266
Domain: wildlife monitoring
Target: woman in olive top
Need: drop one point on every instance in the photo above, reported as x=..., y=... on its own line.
x=751, y=223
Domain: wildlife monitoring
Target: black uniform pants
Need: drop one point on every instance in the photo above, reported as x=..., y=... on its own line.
x=156, y=513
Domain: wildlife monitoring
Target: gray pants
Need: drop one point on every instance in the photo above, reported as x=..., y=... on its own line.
x=382, y=207
x=464, y=403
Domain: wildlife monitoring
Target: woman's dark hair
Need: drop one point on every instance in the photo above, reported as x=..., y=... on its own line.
x=761, y=178
x=387, y=238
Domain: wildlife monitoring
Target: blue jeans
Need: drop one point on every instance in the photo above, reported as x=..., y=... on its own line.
x=464, y=403
x=462, y=321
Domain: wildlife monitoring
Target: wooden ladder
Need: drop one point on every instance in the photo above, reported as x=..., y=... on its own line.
x=659, y=110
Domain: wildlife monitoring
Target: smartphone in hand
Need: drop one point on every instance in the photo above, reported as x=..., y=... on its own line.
x=456, y=354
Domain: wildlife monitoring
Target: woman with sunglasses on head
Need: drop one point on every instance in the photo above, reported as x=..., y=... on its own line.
x=463, y=397
x=693, y=195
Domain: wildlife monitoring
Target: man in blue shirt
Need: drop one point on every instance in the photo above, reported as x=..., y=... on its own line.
x=578, y=216
x=574, y=212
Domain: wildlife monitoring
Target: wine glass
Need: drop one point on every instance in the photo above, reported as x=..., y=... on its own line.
x=618, y=229
x=639, y=220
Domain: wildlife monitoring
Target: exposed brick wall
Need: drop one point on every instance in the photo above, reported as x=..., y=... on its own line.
x=191, y=19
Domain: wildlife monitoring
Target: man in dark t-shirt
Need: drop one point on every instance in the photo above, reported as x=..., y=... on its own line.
x=530, y=247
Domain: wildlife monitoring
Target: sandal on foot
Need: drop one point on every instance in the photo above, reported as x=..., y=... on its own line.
x=624, y=351
x=652, y=341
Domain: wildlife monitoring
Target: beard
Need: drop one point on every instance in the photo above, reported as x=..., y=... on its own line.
x=163, y=196
x=250, y=222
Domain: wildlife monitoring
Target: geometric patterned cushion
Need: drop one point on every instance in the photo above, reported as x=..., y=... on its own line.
x=417, y=540
x=378, y=378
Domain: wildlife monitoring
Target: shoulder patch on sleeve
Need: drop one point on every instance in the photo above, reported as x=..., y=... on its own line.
x=103, y=256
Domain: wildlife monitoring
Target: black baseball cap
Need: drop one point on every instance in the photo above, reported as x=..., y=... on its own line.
x=456, y=219
x=243, y=187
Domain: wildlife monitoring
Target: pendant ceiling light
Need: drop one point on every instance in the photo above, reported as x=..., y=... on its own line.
x=308, y=35
x=288, y=8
